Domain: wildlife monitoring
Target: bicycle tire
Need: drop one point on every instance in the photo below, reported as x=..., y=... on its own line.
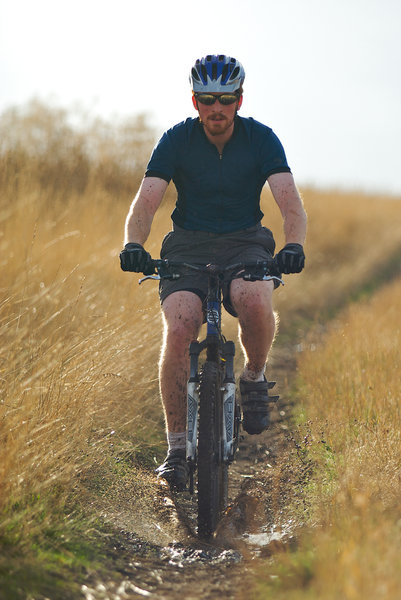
x=212, y=471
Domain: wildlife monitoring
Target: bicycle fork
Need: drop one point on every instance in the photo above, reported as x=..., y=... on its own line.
x=231, y=418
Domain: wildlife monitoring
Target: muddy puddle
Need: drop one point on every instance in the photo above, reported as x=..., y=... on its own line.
x=155, y=549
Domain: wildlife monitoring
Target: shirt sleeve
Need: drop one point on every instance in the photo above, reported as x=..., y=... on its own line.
x=273, y=158
x=162, y=160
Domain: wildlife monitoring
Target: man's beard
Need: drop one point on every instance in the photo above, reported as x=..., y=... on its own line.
x=217, y=126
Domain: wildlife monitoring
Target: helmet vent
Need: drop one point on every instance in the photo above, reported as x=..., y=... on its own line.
x=224, y=73
x=195, y=74
x=204, y=72
x=234, y=73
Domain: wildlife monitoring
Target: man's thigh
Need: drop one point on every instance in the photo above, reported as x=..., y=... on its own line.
x=250, y=298
x=182, y=313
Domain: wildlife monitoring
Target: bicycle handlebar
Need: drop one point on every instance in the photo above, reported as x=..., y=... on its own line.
x=260, y=270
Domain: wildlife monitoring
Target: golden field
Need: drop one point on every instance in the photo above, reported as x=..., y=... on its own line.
x=80, y=341
x=350, y=436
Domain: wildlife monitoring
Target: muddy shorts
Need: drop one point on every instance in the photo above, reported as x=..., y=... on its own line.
x=223, y=249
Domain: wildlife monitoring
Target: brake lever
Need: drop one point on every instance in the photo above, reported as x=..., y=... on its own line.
x=273, y=278
x=250, y=277
x=157, y=277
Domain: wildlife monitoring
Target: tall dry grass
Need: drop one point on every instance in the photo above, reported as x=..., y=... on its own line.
x=76, y=332
x=357, y=397
x=351, y=239
x=350, y=392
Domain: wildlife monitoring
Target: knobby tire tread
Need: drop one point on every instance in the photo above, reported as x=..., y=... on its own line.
x=212, y=472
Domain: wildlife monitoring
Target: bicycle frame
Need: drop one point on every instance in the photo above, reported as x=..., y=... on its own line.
x=222, y=353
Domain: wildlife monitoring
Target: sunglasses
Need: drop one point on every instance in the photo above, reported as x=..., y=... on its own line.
x=210, y=99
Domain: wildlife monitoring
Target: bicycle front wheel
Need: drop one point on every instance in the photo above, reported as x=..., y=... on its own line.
x=212, y=471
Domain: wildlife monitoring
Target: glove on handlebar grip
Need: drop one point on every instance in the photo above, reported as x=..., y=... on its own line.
x=291, y=259
x=134, y=258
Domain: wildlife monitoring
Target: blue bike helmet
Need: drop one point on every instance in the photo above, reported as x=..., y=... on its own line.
x=217, y=73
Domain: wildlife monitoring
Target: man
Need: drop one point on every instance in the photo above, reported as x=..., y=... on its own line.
x=219, y=163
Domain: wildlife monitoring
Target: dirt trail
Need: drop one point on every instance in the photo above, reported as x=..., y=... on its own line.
x=155, y=549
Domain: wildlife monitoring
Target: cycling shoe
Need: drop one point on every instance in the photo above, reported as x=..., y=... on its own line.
x=175, y=470
x=255, y=403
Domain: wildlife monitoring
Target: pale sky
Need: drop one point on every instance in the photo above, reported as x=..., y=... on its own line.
x=324, y=74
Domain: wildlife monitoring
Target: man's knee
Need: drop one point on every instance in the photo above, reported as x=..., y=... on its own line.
x=181, y=333
x=182, y=315
x=256, y=317
x=253, y=300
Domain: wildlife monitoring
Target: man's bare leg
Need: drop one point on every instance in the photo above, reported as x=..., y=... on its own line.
x=182, y=316
x=257, y=323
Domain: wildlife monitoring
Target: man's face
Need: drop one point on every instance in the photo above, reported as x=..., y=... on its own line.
x=217, y=118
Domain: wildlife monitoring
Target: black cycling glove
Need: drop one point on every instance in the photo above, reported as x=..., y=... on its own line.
x=291, y=259
x=135, y=258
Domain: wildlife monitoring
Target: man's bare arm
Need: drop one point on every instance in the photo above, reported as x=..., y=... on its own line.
x=143, y=209
x=291, y=206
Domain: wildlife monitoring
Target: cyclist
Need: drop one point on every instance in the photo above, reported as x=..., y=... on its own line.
x=219, y=163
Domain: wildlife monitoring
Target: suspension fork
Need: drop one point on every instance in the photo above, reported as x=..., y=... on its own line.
x=229, y=415
x=212, y=343
x=195, y=349
x=218, y=351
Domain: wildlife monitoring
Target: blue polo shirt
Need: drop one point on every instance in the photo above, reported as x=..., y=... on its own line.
x=217, y=193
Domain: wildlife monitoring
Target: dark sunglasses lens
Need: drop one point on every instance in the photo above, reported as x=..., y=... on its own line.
x=227, y=98
x=209, y=99
x=206, y=98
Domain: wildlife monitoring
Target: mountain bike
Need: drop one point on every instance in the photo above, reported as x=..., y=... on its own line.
x=213, y=412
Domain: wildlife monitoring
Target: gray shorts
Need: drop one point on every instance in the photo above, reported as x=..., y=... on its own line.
x=223, y=249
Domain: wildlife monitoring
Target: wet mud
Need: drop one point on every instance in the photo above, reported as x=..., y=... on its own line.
x=155, y=548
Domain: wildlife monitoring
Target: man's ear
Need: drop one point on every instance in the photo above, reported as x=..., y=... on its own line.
x=239, y=102
x=194, y=102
